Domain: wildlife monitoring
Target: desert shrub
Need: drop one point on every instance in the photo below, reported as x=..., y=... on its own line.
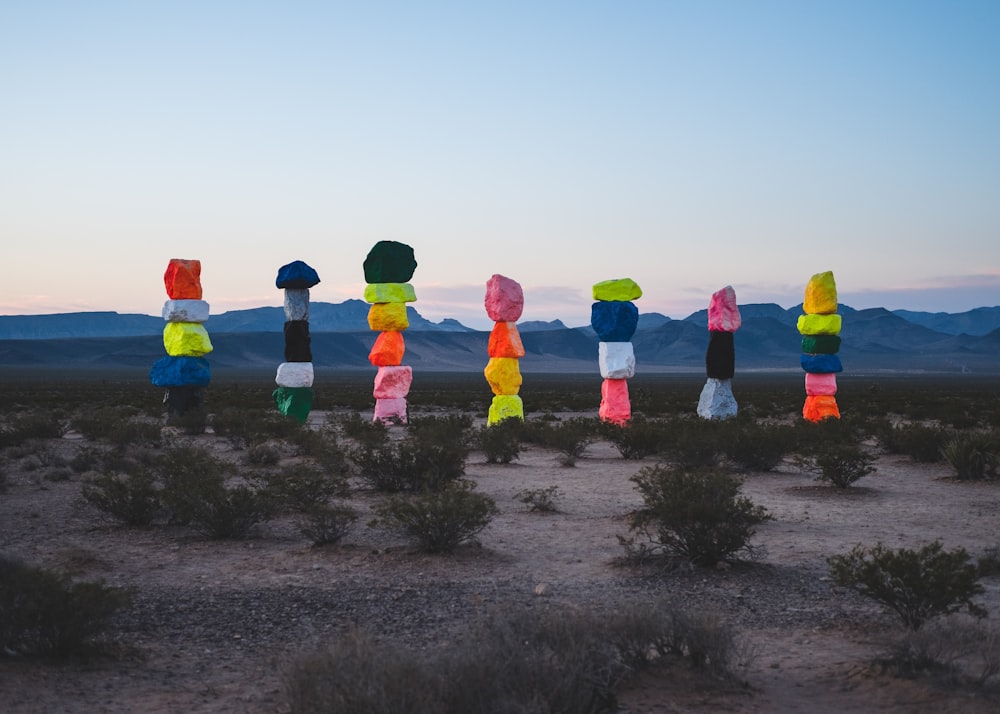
x=33, y=425
x=303, y=487
x=326, y=523
x=367, y=434
x=989, y=562
x=265, y=454
x=915, y=584
x=246, y=427
x=973, y=455
x=229, y=512
x=43, y=613
x=440, y=520
x=921, y=443
x=537, y=660
x=540, y=499
x=696, y=514
x=132, y=500
x=958, y=650
x=411, y=464
x=501, y=442
x=757, y=447
x=189, y=475
x=570, y=437
x=114, y=426
x=841, y=464
x=323, y=447
x=86, y=459
x=442, y=429
x=636, y=439
x=694, y=444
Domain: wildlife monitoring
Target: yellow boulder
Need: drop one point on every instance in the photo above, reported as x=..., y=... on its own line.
x=186, y=339
x=504, y=375
x=385, y=316
x=821, y=295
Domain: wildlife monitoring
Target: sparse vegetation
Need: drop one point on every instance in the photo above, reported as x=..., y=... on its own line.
x=841, y=464
x=324, y=523
x=44, y=613
x=501, y=442
x=540, y=499
x=442, y=519
x=130, y=499
x=974, y=455
x=696, y=514
x=915, y=584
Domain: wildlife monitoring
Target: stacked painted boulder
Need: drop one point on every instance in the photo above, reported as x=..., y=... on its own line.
x=717, y=400
x=294, y=395
x=614, y=318
x=820, y=330
x=184, y=371
x=504, y=304
x=388, y=269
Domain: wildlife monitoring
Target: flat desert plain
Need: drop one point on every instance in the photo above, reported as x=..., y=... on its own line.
x=213, y=626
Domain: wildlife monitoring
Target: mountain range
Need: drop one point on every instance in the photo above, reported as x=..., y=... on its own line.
x=874, y=339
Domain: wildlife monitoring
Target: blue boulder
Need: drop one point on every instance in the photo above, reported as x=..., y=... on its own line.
x=614, y=320
x=180, y=372
x=821, y=364
x=296, y=275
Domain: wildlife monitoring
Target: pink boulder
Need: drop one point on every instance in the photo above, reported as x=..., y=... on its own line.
x=821, y=384
x=723, y=313
x=389, y=410
x=393, y=382
x=615, y=406
x=504, y=299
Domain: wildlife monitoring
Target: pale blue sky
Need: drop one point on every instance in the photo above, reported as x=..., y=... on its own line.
x=688, y=145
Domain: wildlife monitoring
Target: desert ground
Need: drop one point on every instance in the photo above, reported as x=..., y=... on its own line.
x=213, y=626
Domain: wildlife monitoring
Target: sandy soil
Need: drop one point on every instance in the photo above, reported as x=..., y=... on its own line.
x=214, y=624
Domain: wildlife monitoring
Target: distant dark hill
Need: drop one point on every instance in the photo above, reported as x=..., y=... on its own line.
x=979, y=321
x=873, y=340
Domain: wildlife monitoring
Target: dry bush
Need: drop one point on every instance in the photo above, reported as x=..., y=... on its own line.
x=974, y=455
x=442, y=519
x=130, y=499
x=915, y=584
x=696, y=514
x=501, y=442
x=540, y=499
x=325, y=523
x=44, y=613
x=529, y=661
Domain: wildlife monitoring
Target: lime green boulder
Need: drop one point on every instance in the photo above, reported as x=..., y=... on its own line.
x=622, y=289
x=505, y=406
x=389, y=292
x=819, y=324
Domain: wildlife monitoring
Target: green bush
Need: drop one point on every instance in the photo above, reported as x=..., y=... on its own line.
x=42, y=425
x=570, y=437
x=636, y=439
x=411, y=464
x=113, y=425
x=367, y=434
x=540, y=499
x=324, y=523
x=302, y=487
x=916, y=584
x=973, y=455
x=696, y=514
x=189, y=475
x=757, y=447
x=695, y=444
x=43, y=613
x=132, y=500
x=842, y=464
x=224, y=512
x=440, y=520
x=263, y=454
x=501, y=442
x=921, y=443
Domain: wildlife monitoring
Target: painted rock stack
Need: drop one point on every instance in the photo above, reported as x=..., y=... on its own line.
x=504, y=304
x=388, y=269
x=820, y=330
x=717, y=400
x=614, y=318
x=294, y=395
x=184, y=371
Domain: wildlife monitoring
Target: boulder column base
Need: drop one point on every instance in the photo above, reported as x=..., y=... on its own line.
x=717, y=400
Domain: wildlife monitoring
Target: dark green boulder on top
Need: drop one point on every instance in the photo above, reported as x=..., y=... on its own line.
x=389, y=262
x=821, y=344
x=294, y=402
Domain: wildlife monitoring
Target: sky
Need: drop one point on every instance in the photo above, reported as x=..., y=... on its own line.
x=686, y=145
